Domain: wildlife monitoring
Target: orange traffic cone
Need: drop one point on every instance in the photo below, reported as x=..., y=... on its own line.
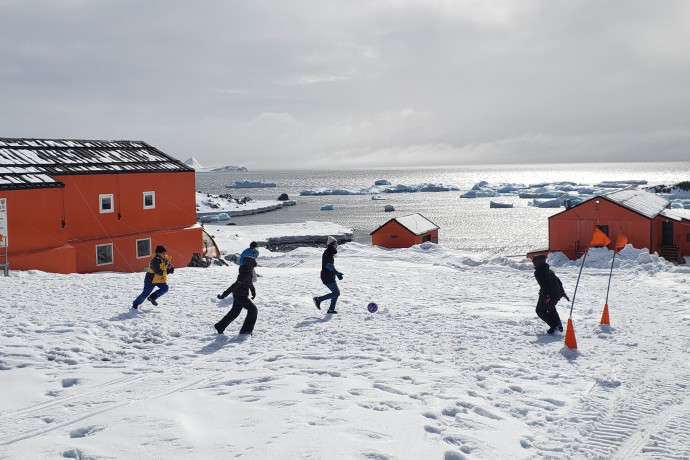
x=570, y=341
x=605, y=315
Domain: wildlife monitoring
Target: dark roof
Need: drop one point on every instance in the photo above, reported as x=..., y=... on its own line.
x=33, y=163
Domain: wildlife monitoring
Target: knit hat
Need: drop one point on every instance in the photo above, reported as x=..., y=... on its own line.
x=160, y=248
x=331, y=240
x=253, y=244
x=539, y=260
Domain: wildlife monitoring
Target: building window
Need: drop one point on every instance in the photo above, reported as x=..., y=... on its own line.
x=106, y=203
x=426, y=238
x=394, y=236
x=104, y=254
x=604, y=228
x=143, y=248
x=687, y=237
x=149, y=200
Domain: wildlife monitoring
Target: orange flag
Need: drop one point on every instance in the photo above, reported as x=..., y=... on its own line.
x=599, y=238
x=621, y=241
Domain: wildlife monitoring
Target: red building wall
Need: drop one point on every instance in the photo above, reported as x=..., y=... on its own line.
x=393, y=235
x=680, y=235
x=572, y=229
x=38, y=239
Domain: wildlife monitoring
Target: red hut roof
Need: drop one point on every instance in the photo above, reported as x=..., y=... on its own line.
x=416, y=223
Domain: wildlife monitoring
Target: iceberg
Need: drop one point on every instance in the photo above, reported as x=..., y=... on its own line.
x=246, y=183
x=377, y=189
x=620, y=183
x=494, y=204
x=327, y=207
x=229, y=168
x=389, y=208
x=382, y=182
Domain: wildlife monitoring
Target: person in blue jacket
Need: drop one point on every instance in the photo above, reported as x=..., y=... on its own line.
x=251, y=251
x=328, y=275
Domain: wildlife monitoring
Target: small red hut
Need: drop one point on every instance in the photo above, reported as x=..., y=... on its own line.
x=81, y=206
x=404, y=232
x=646, y=219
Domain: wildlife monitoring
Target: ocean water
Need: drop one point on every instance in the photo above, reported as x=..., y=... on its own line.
x=465, y=224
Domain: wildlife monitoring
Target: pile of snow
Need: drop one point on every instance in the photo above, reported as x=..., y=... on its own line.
x=208, y=204
x=233, y=240
x=454, y=364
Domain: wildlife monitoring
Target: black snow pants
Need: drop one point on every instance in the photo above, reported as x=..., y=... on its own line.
x=548, y=313
x=238, y=303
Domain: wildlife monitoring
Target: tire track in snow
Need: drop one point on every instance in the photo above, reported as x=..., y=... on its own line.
x=647, y=421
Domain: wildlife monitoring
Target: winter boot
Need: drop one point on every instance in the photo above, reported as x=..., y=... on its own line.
x=152, y=299
x=135, y=306
x=217, y=328
x=332, y=311
x=317, y=302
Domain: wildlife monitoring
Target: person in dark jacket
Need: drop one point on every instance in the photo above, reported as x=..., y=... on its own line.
x=550, y=292
x=328, y=275
x=156, y=276
x=240, y=291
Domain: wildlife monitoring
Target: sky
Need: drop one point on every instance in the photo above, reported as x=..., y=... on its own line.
x=314, y=84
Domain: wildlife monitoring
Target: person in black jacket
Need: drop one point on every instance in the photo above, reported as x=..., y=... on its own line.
x=328, y=275
x=550, y=292
x=240, y=291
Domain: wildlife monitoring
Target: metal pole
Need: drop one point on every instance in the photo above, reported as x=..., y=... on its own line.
x=610, y=274
x=572, y=304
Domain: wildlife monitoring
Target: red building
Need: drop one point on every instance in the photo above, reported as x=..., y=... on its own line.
x=404, y=232
x=78, y=206
x=646, y=219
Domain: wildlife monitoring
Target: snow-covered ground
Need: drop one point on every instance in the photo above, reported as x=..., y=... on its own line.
x=454, y=364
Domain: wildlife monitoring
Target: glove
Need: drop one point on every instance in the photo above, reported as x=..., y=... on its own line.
x=253, y=295
x=220, y=297
x=171, y=270
x=339, y=275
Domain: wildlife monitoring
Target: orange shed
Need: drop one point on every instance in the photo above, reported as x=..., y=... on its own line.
x=78, y=206
x=646, y=219
x=404, y=232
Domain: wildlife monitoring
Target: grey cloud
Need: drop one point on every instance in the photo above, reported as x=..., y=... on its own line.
x=353, y=83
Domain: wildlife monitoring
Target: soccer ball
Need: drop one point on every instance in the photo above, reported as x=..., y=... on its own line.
x=372, y=307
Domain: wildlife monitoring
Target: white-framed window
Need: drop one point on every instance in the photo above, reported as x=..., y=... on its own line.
x=104, y=254
x=106, y=203
x=149, y=200
x=143, y=248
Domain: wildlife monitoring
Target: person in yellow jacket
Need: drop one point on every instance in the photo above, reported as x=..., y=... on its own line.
x=156, y=275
